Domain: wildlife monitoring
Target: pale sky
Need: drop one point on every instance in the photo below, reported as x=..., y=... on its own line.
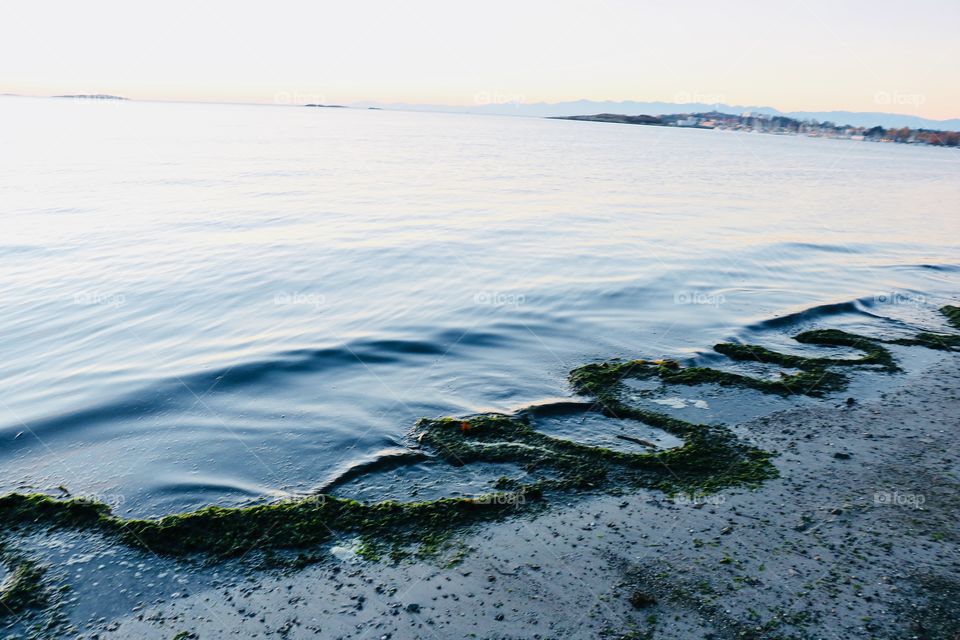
x=879, y=55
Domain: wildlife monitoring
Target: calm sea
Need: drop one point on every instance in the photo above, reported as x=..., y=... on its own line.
x=223, y=303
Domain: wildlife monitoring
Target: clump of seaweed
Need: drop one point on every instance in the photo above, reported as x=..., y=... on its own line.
x=952, y=314
x=874, y=353
x=603, y=379
x=23, y=588
x=939, y=341
x=228, y=532
x=815, y=376
x=710, y=457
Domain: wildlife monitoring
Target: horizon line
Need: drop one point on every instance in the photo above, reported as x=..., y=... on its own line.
x=357, y=103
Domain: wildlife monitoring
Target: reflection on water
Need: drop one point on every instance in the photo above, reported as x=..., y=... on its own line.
x=212, y=303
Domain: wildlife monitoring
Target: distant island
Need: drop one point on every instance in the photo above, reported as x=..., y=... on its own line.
x=635, y=108
x=781, y=125
x=615, y=117
x=327, y=106
x=94, y=96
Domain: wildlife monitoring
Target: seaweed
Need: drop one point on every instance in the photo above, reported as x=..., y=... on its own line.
x=23, y=588
x=602, y=379
x=938, y=341
x=815, y=382
x=231, y=532
x=815, y=377
x=875, y=354
x=710, y=459
x=952, y=314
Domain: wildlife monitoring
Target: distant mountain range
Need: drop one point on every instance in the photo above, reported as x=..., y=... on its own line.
x=632, y=108
x=495, y=105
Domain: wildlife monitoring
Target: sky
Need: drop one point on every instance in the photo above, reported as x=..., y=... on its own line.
x=898, y=56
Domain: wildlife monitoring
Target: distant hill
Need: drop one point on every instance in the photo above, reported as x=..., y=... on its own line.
x=633, y=108
x=870, y=119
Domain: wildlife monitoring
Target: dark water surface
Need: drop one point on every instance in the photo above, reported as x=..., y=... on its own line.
x=219, y=304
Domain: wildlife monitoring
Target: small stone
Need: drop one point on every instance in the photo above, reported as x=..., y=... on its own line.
x=640, y=599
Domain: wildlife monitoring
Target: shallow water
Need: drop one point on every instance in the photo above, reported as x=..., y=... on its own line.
x=595, y=429
x=223, y=303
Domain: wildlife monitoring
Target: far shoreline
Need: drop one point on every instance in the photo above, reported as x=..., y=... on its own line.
x=778, y=125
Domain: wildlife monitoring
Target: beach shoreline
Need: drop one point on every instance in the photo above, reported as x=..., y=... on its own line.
x=856, y=539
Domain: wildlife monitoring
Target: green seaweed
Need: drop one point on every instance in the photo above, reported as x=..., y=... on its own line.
x=815, y=378
x=23, y=589
x=710, y=459
x=939, y=341
x=816, y=382
x=603, y=379
x=231, y=532
x=875, y=354
x=952, y=314
x=369, y=549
